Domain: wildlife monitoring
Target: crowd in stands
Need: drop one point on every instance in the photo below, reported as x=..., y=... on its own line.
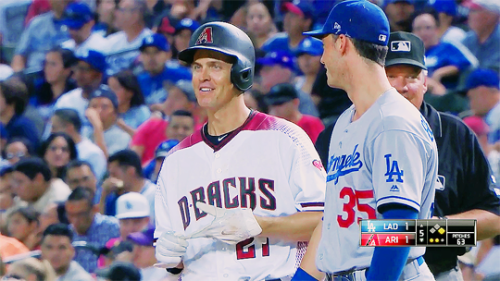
x=93, y=97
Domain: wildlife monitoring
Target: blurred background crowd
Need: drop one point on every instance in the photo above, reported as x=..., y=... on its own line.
x=92, y=98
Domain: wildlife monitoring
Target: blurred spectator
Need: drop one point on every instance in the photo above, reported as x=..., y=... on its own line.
x=131, y=106
x=5, y=71
x=133, y=213
x=123, y=46
x=57, y=151
x=166, y=29
x=444, y=60
x=33, y=183
x=447, y=10
x=30, y=269
x=278, y=67
x=125, y=175
x=483, y=40
x=153, y=168
x=106, y=15
x=399, y=14
x=42, y=34
x=144, y=254
x=483, y=87
x=308, y=55
x=155, y=56
x=259, y=23
x=67, y=121
x=80, y=174
x=80, y=22
x=6, y=196
x=16, y=149
x=23, y=224
x=59, y=252
x=254, y=99
x=180, y=125
x=57, y=73
x=183, y=31
x=13, y=100
x=11, y=246
x=299, y=17
x=89, y=226
x=283, y=102
x=115, y=250
x=36, y=8
x=47, y=217
x=120, y=271
x=103, y=115
x=88, y=73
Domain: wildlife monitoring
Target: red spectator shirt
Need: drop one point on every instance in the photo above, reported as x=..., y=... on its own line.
x=150, y=135
x=311, y=125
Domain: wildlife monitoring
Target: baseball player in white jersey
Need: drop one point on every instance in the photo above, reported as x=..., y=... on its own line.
x=240, y=161
x=382, y=158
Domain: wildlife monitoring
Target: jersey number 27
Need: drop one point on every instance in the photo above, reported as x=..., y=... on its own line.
x=353, y=197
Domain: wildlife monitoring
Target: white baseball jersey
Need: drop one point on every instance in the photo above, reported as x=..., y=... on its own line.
x=386, y=156
x=269, y=165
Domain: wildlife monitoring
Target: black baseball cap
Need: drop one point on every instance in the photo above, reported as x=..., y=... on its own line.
x=120, y=271
x=281, y=93
x=405, y=48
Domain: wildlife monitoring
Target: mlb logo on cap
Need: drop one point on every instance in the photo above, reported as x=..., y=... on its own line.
x=400, y=46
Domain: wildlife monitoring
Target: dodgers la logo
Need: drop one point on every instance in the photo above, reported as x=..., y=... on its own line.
x=393, y=170
x=205, y=36
x=343, y=165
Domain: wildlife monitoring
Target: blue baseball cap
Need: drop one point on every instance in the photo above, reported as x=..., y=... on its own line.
x=105, y=92
x=311, y=46
x=357, y=19
x=387, y=2
x=444, y=6
x=155, y=40
x=94, y=58
x=482, y=77
x=76, y=15
x=302, y=8
x=282, y=58
x=186, y=23
x=164, y=147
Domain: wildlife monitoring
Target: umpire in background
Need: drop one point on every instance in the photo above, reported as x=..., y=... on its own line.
x=468, y=187
x=464, y=172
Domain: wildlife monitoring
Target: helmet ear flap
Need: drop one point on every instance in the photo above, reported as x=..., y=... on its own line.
x=242, y=78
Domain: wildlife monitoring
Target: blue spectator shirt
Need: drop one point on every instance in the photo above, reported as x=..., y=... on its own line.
x=487, y=53
x=446, y=54
x=152, y=86
x=20, y=126
x=135, y=116
x=279, y=42
x=42, y=34
x=493, y=121
x=100, y=231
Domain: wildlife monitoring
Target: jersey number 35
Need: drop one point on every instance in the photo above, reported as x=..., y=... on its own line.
x=353, y=204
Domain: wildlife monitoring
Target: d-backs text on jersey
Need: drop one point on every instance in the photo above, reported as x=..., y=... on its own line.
x=248, y=189
x=344, y=164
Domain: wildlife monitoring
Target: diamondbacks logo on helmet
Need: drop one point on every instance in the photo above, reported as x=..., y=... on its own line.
x=205, y=36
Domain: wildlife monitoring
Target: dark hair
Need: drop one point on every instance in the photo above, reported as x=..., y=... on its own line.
x=58, y=229
x=79, y=163
x=370, y=51
x=15, y=92
x=127, y=158
x=33, y=166
x=26, y=142
x=82, y=193
x=129, y=81
x=182, y=112
x=29, y=213
x=73, y=154
x=61, y=213
x=427, y=10
x=67, y=56
x=69, y=116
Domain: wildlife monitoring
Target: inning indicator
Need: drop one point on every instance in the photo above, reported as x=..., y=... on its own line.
x=423, y=233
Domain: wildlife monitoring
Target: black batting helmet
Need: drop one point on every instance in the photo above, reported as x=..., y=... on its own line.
x=229, y=40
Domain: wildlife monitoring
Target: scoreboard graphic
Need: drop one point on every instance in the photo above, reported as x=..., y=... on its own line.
x=421, y=233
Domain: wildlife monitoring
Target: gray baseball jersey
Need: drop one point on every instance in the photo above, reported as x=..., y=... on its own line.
x=386, y=156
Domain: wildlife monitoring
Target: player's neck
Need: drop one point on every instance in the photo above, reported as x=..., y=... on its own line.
x=366, y=86
x=227, y=118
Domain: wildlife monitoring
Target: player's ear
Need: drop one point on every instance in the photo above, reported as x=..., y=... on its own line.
x=424, y=80
x=342, y=43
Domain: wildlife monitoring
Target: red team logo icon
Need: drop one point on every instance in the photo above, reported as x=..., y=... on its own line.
x=205, y=36
x=318, y=165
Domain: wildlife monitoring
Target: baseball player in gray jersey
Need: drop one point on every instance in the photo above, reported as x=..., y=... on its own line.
x=382, y=161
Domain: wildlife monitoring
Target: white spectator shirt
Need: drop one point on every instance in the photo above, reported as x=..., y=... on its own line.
x=95, y=42
x=90, y=152
x=74, y=99
x=269, y=165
